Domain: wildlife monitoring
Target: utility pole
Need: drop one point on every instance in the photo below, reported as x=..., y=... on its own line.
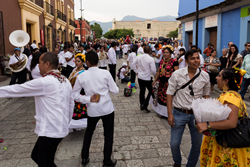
x=197, y=20
x=80, y=21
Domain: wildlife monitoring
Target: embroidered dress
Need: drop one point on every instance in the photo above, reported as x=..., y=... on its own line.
x=80, y=110
x=166, y=70
x=213, y=154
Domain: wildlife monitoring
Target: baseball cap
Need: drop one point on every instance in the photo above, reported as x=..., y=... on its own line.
x=17, y=49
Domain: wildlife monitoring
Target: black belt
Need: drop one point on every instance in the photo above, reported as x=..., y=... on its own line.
x=185, y=111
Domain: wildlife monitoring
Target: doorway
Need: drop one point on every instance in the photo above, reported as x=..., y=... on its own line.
x=248, y=32
x=213, y=37
x=28, y=29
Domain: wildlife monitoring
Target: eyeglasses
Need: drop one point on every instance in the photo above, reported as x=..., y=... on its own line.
x=190, y=87
x=248, y=45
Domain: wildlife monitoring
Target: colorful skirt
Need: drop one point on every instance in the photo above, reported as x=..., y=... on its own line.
x=80, y=111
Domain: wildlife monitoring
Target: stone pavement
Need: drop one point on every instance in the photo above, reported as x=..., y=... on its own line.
x=140, y=139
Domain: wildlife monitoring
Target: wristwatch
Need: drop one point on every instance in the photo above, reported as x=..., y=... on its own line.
x=208, y=125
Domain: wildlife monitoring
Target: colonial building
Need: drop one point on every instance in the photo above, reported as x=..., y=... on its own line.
x=220, y=22
x=46, y=21
x=147, y=28
x=84, y=29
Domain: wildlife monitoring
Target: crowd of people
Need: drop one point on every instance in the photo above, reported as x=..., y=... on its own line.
x=72, y=84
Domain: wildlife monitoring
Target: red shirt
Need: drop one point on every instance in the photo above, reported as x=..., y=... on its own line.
x=208, y=51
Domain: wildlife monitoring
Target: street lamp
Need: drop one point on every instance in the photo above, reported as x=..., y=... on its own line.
x=80, y=22
x=197, y=20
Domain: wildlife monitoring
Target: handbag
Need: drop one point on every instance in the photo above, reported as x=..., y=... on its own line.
x=127, y=92
x=238, y=137
x=213, y=69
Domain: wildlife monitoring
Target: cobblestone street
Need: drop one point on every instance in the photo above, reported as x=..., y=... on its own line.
x=140, y=139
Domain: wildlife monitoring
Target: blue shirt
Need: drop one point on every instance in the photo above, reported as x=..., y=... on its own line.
x=246, y=66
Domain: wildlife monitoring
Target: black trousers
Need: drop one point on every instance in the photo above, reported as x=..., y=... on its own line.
x=104, y=68
x=69, y=69
x=19, y=76
x=108, y=125
x=143, y=85
x=112, y=69
x=132, y=78
x=44, y=151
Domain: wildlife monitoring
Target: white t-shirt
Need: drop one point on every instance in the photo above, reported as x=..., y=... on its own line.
x=125, y=48
x=182, y=64
x=159, y=53
x=72, y=61
x=140, y=51
x=131, y=58
x=35, y=72
x=117, y=48
x=121, y=73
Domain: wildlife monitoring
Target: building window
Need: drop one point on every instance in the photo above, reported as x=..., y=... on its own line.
x=149, y=26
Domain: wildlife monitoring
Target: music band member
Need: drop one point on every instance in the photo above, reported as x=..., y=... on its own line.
x=13, y=62
x=53, y=114
x=103, y=58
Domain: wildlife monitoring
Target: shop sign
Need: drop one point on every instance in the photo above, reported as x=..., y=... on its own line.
x=245, y=12
x=211, y=21
x=189, y=26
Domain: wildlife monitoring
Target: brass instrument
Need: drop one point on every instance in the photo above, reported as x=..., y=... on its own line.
x=19, y=38
x=103, y=57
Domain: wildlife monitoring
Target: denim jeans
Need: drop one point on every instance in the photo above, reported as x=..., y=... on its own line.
x=157, y=66
x=244, y=86
x=117, y=54
x=126, y=80
x=181, y=119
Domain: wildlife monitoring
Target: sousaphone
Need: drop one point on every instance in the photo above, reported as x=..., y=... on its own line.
x=19, y=38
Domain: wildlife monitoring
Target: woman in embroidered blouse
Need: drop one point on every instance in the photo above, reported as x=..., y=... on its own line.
x=80, y=110
x=212, y=60
x=167, y=66
x=212, y=154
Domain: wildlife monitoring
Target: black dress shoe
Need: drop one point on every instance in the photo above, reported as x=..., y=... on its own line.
x=146, y=109
x=85, y=161
x=111, y=164
x=142, y=108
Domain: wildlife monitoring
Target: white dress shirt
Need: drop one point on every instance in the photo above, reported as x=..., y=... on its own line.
x=112, y=56
x=96, y=81
x=131, y=58
x=72, y=61
x=102, y=62
x=183, y=99
x=29, y=62
x=54, y=104
x=144, y=65
x=61, y=59
x=140, y=51
x=33, y=45
x=35, y=72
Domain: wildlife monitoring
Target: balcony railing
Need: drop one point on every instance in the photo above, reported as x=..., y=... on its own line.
x=72, y=23
x=39, y=3
x=49, y=8
x=60, y=15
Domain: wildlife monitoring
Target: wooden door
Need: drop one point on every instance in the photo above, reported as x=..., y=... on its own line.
x=190, y=37
x=28, y=29
x=213, y=37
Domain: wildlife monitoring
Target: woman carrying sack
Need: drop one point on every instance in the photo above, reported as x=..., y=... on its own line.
x=212, y=64
x=213, y=154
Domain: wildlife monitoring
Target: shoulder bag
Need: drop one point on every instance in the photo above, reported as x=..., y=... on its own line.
x=238, y=137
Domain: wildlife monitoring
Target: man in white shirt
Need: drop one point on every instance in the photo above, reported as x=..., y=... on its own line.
x=158, y=56
x=14, y=61
x=54, y=107
x=145, y=67
x=33, y=45
x=97, y=82
x=181, y=46
x=70, y=59
x=180, y=112
x=194, y=47
x=140, y=49
x=112, y=59
x=131, y=58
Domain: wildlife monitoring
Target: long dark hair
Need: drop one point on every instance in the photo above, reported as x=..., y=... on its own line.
x=233, y=77
x=235, y=53
x=35, y=60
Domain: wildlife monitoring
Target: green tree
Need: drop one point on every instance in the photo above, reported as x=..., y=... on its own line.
x=98, y=30
x=119, y=33
x=173, y=34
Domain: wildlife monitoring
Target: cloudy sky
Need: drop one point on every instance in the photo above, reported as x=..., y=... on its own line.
x=106, y=10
